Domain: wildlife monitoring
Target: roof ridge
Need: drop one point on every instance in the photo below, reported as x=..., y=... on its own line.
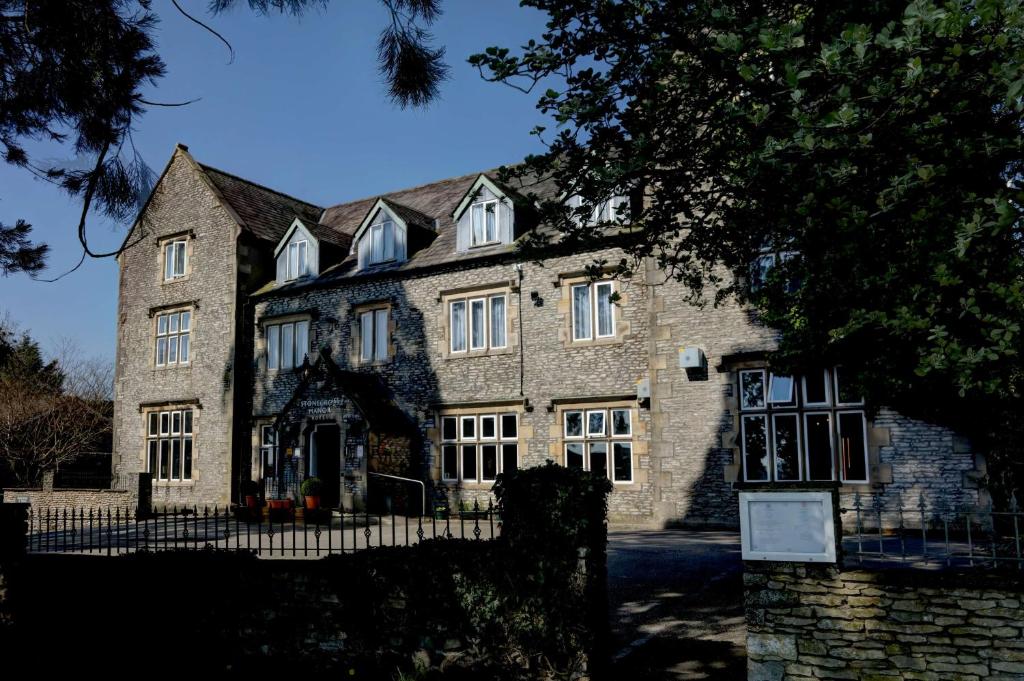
x=386, y=195
x=264, y=187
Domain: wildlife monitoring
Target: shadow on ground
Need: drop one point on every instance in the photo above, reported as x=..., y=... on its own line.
x=676, y=605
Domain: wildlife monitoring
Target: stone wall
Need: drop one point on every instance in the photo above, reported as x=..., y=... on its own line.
x=809, y=622
x=47, y=496
x=184, y=203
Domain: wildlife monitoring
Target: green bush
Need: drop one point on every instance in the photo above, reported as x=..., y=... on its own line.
x=311, y=487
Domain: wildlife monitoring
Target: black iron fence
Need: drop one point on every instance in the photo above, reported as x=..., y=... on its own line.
x=281, y=532
x=926, y=534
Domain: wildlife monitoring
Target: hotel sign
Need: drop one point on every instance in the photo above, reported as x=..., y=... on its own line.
x=324, y=408
x=788, y=526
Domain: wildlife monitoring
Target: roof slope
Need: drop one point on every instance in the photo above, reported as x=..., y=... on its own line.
x=266, y=213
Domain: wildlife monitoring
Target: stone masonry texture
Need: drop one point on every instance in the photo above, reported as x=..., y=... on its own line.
x=817, y=622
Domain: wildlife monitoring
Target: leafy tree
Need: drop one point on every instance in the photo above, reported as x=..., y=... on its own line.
x=71, y=75
x=875, y=144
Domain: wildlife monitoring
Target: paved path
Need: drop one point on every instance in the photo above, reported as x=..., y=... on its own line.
x=676, y=602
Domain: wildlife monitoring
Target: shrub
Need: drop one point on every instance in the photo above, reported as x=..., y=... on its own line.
x=311, y=487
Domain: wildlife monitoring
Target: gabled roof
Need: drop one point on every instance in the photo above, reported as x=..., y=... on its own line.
x=408, y=217
x=470, y=196
x=264, y=212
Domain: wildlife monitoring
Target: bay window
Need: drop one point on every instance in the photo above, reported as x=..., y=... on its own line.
x=810, y=434
x=169, y=445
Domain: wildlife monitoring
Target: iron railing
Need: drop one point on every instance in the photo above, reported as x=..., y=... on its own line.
x=281, y=533
x=931, y=535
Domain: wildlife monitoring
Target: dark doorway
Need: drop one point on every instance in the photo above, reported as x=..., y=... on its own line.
x=327, y=450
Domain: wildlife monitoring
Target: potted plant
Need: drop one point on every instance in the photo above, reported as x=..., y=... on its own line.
x=251, y=492
x=310, y=489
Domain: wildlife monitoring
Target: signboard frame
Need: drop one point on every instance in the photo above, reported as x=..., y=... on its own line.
x=828, y=529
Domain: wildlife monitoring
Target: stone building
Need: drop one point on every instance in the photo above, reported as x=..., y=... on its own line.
x=398, y=347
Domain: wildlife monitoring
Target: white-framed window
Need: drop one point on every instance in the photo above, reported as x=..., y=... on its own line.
x=175, y=259
x=174, y=338
x=382, y=242
x=373, y=335
x=610, y=210
x=298, y=260
x=484, y=223
x=287, y=344
x=169, y=444
x=268, y=451
x=600, y=440
x=764, y=263
x=789, y=435
x=478, y=447
x=478, y=324
x=593, y=311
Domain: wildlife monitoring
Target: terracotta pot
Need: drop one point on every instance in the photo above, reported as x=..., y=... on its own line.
x=252, y=501
x=312, y=503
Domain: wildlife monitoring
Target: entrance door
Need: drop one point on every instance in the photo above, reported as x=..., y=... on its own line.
x=327, y=464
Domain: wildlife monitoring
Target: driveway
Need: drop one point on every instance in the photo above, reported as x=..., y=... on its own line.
x=676, y=602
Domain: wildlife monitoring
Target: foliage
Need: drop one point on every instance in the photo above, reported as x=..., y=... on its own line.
x=44, y=422
x=72, y=79
x=311, y=487
x=877, y=144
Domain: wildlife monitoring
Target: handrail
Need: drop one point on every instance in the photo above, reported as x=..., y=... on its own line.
x=423, y=508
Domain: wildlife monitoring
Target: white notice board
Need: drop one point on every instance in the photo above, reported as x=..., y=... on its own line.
x=788, y=526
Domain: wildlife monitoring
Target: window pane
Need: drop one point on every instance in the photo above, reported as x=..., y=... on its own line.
x=183, y=349
x=165, y=446
x=509, y=458
x=169, y=261
x=161, y=325
x=188, y=421
x=301, y=342
x=509, y=427
x=381, y=343
x=449, y=428
x=153, y=423
x=818, y=442
x=574, y=455
x=755, y=448
x=605, y=310
x=752, y=389
x=388, y=230
x=161, y=351
x=186, y=473
x=179, y=259
x=172, y=349
x=468, y=427
x=491, y=214
x=287, y=346
x=621, y=422
x=488, y=427
x=152, y=461
x=477, y=213
x=477, y=340
x=599, y=458
x=173, y=323
x=759, y=271
x=449, y=462
x=458, y=326
x=488, y=462
x=787, y=446
x=273, y=343
x=780, y=389
x=186, y=321
x=377, y=247
x=622, y=460
x=165, y=423
x=581, y=312
x=267, y=437
x=853, y=447
x=498, y=322
x=366, y=336
x=816, y=388
x=595, y=422
x=469, y=462
x=844, y=394
x=175, y=459
x=176, y=423
x=303, y=260
x=293, y=260
x=574, y=424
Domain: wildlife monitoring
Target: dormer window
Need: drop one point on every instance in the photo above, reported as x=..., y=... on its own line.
x=611, y=210
x=382, y=242
x=484, y=215
x=298, y=262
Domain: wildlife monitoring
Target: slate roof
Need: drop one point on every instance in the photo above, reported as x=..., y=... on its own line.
x=265, y=213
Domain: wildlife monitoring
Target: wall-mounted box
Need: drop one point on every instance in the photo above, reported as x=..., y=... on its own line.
x=691, y=358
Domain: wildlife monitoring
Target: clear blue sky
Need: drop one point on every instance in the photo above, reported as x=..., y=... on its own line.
x=301, y=110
